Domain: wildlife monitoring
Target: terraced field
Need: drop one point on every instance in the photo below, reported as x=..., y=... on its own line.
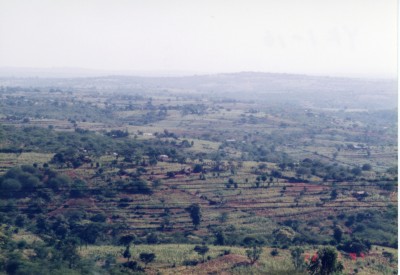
x=277, y=176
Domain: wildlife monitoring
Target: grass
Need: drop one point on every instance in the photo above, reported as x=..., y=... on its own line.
x=170, y=258
x=8, y=160
x=28, y=237
x=166, y=254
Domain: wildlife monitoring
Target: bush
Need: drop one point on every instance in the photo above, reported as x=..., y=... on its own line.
x=297, y=258
x=99, y=218
x=197, y=168
x=147, y=257
x=9, y=187
x=201, y=250
x=254, y=253
x=355, y=246
x=78, y=189
x=152, y=238
x=138, y=186
x=190, y=262
x=132, y=265
x=274, y=252
x=325, y=262
x=366, y=167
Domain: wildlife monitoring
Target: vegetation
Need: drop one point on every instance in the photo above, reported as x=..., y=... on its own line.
x=254, y=253
x=129, y=180
x=325, y=262
x=201, y=250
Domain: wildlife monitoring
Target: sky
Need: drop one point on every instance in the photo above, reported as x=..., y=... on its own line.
x=319, y=37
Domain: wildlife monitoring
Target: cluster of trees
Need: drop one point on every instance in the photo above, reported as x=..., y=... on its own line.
x=366, y=226
x=147, y=118
x=309, y=167
x=117, y=134
x=193, y=109
x=46, y=140
x=326, y=171
x=48, y=106
x=136, y=186
x=145, y=257
x=257, y=150
x=72, y=149
x=29, y=181
x=19, y=182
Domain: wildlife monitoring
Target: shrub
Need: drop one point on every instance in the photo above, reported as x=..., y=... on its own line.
x=325, y=262
x=190, y=262
x=147, y=257
x=254, y=253
x=274, y=252
x=201, y=250
x=138, y=186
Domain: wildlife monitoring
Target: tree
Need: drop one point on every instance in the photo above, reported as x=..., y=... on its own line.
x=356, y=246
x=223, y=217
x=254, y=253
x=325, y=263
x=366, y=167
x=337, y=234
x=90, y=232
x=170, y=174
x=153, y=161
x=20, y=220
x=78, y=189
x=195, y=214
x=138, y=186
x=264, y=177
x=356, y=171
x=9, y=187
x=68, y=252
x=198, y=168
x=297, y=258
x=127, y=253
x=220, y=238
x=152, y=238
x=42, y=224
x=201, y=250
x=58, y=181
x=334, y=194
x=274, y=252
x=147, y=257
x=99, y=217
x=127, y=239
x=58, y=158
x=156, y=183
x=166, y=223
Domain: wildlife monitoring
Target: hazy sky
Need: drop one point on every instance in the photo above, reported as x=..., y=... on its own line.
x=329, y=37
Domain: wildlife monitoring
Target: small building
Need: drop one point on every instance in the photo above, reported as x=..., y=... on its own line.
x=163, y=157
x=357, y=146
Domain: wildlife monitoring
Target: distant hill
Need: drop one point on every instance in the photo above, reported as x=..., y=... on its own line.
x=71, y=72
x=313, y=91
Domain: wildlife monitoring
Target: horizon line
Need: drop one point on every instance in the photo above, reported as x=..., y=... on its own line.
x=82, y=72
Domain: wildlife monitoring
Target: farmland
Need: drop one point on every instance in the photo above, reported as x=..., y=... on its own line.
x=231, y=162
